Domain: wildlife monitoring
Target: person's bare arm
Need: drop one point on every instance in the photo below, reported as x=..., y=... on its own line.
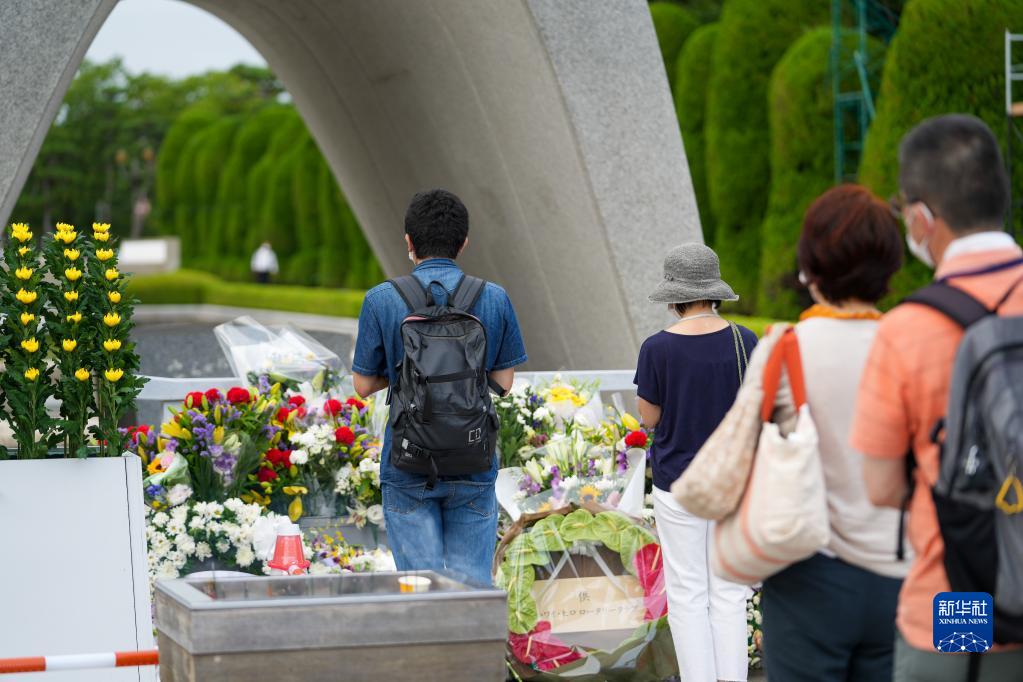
x=885, y=480
x=503, y=378
x=649, y=414
x=366, y=386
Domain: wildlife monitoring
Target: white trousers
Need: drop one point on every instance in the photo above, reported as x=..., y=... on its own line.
x=707, y=614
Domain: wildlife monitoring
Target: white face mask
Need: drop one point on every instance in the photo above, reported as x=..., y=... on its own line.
x=919, y=249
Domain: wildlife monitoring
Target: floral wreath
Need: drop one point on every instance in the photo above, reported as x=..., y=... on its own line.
x=529, y=544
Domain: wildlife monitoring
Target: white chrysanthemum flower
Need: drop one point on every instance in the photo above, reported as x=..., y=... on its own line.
x=176, y=527
x=203, y=551
x=166, y=571
x=185, y=544
x=223, y=546
x=317, y=568
x=245, y=556
x=179, y=514
x=160, y=519
x=299, y=457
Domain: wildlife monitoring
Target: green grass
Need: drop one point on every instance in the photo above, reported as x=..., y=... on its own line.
x=193, y=287
x=757, y=325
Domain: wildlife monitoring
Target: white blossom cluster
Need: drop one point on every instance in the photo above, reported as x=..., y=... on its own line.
x=234, y=533
x=316, y=440
x=371, y=562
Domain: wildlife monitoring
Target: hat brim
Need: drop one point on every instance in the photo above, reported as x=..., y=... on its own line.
x=687, y=292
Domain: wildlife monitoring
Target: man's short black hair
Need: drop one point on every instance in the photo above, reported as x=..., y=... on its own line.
x=953, y=164
x=437, y=222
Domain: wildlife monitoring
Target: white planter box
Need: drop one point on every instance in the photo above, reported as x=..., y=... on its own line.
x=73, y=567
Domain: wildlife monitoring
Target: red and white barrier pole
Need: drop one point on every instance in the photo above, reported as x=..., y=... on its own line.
x=118, y=659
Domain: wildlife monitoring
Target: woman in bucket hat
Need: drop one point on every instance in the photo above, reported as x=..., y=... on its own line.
x=687, y=377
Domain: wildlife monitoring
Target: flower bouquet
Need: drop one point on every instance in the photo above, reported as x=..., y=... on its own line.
x=332, y=554
x=586, y=597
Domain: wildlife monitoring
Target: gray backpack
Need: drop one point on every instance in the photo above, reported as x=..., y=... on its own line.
x=979, y=495
x=442, y=417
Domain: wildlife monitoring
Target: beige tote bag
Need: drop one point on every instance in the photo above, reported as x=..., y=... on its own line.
x=783, y=516
x=712, y=484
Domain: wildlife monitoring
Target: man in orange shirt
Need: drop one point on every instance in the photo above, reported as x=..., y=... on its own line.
x=954, y=193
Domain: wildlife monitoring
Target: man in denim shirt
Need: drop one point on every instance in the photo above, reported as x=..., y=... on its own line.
x=454, y=525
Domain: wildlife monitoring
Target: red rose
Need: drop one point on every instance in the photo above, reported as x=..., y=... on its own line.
x=296, y=401
x=344, y=435
x=332, y=407
x=238, y=396
x=143, y=428
x=266, y=475
x=302, y=413
x=282, y=414
x=213, y=395
x=636, y=439
x=356, y=403
x=194, y=399
x=279, y=458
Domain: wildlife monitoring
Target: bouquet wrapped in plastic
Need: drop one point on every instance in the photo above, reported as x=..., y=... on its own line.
x=285, y=354
x=586, y=597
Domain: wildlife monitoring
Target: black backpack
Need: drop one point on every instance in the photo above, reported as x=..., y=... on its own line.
x=978, y=495
x=442, y=418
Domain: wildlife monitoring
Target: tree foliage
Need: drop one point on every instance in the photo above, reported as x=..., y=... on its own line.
x=673, y=24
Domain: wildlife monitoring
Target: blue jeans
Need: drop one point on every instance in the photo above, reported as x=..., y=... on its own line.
x=452, y=527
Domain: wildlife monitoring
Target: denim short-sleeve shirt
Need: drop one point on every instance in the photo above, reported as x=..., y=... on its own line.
x=379, y=351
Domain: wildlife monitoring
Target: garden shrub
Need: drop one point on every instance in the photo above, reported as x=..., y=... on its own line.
x=181, y=132
x=692, y=72
x=216, y=145
x=752, y=37
x=195, y=287
x=305, y=263
x=186, y=199
x=802, y=161
x=946, y=57
x=673, y=24
x=333, y=232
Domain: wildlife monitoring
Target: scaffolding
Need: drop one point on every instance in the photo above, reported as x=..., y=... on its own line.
x=1013, y=133
x=852, y=76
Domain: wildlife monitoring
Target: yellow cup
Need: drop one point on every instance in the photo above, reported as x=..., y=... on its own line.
x=414, y=583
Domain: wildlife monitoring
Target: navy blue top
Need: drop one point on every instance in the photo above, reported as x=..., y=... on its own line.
x=693, y=379
x=378, y=348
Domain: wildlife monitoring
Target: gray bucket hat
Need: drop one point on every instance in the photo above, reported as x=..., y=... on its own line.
x=692, y=272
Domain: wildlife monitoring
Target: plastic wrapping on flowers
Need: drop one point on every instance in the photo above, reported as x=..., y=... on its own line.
x=286, y=354
x=586, y=597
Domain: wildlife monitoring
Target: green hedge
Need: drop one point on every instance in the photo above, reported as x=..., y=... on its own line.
x=692, y=72
x=216, y=142
x=802, y=161
x=673, y=24
x=946, y=57
x=752, y=38
x=194, y=287
x=169, y=159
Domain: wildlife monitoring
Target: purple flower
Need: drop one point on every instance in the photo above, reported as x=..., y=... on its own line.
x=264, y=384
x=154, y=490
x=171, y=445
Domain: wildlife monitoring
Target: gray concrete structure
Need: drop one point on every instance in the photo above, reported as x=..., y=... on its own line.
x=551, y=118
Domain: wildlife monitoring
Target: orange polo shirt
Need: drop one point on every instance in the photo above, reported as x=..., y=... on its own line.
x=903, y=392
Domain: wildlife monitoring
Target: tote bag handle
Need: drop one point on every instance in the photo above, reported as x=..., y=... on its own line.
x=785, y=354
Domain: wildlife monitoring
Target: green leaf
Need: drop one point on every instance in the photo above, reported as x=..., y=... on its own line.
x=546, y=534
x=522, y=552
x=578, y=526
x=609, y=526
x=522, y=615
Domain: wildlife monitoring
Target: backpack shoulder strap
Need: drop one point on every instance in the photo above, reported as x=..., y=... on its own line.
x=950, y=301
x=411, y=291
x=467, y=293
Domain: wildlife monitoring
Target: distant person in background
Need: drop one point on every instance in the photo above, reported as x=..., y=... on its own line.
x=687, y=377
x=850, y=247
x=264, y=263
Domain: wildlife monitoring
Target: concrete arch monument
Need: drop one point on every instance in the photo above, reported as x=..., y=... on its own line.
x=551, y=118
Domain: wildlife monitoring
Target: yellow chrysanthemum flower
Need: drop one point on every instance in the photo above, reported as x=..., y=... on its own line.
x=101, y=236
x=31, y=373
x=75, y=317
x=71, y=296
x=111, y=319
x=21, y=232
x=101, y=227
x=69, y=344
x=114, y=296
x=72, y=254
x=30, y=345
x=64, y=227
x=113, y=374
x=26, y=297
x=67, y=236
x=27, y=319
x=82, y=374
x=111, y=274
x=104, y=254
x=73, y=274
x=110, y=345
x=23, y=250
x=23, y=273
